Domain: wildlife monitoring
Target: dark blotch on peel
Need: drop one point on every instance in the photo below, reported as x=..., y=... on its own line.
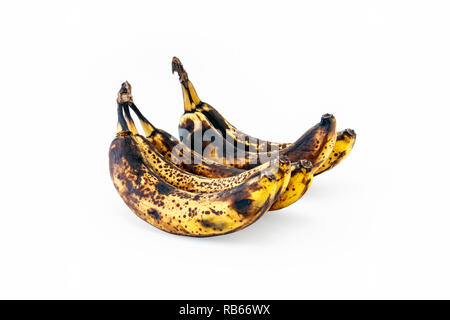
x=242, y=206
x=216, y=120
x=154, y=214
x=162, y=188
x=207, y=224
x=189, y=125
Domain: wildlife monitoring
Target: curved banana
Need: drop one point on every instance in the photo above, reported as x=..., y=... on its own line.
x=345, y=141
x=183, y=179
x=193, y=104
x=180, y=212
x=192, y=182
x=173, y=150
x=299, y=183
x=314, y=145
x=293, y=189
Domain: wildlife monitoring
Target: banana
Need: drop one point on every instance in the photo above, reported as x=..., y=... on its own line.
x=181, y=212
x=194, y=183
x=301, y=178
x=294, y=187
x=191, y=182
x=295, y=184
x=345, y=141
x=193, y=105
x=178, y=177
x=299, y=183
x=293, y=190
x=314, y=145
x=173, y=150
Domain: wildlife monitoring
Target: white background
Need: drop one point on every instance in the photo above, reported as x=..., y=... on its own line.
x=377, y=226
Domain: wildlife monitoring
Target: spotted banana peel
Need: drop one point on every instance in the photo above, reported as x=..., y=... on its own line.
x=197, y=111
x=294, y=186
x=345, y=141
x=182, y=212
x=172, y=149
x=315, y=146
x=180, y=178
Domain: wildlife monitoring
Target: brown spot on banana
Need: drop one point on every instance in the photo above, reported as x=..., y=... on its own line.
x=345, y=141
x=154, y=213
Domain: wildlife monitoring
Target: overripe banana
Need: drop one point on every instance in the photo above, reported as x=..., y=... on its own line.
x=181, y=212
x=344, y=144
x=180, y=178
x=291, y=190
x=315, y=145
x=193, y=105
x=299, y=182
x=175, y=151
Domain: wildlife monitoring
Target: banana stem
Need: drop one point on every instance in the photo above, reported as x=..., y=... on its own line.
x=190, y=96
x=126, y=98
x=121, y=123
x=129, y=119
x=146, y=125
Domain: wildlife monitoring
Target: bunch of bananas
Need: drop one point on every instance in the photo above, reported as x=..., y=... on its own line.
x=215, y=179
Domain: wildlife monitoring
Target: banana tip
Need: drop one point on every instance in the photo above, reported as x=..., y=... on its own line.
x=306, y=164
x=284, y=160
x=284, y=163
x=327, y=118
x=350, y=133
